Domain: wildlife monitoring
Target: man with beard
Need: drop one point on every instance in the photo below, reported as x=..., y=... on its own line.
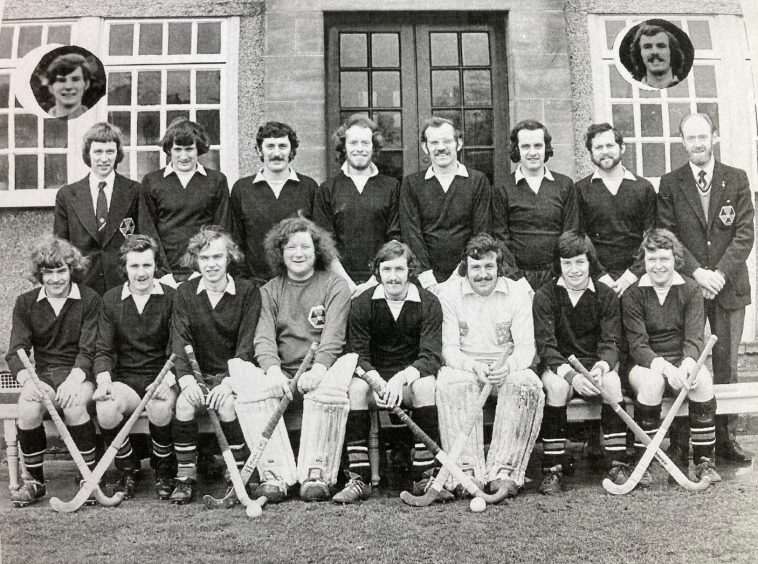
x=615, y=207
x=442, y=207
x=656, y=56
x=358, y=206
x=708, y=205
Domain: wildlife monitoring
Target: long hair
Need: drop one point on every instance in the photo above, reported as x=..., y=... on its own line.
x=356, y=120
x=648, y=30
x=203, y=238
x=275, y=129
x=279, y=235
x=137, y=244
x=392, y=250
x=52, y=252
x=531, y=125
x=102, y=132
x=183, y=132
x=479, y=246
x=573, y=243
x=662, y=239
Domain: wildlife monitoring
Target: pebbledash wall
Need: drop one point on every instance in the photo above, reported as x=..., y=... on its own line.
x=552, y=75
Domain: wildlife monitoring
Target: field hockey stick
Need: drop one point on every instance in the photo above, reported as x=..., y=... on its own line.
x=641, y=436
x=226, y=451
x=655, y=443
x=257, y=453
x=377, y=385
x=459, y=444
x=102, y=466
x=64, y=433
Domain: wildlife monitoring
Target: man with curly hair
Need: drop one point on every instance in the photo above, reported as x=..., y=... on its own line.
x=657, y=58
x=58, y=322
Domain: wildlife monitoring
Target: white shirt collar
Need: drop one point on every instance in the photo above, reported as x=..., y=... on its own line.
x=708, y=168
x=169, y=169
x=501, y=286
x=627, y=175
x=545, y=174
x=74, y=294
x=156, y=290
x=373, y=171
x=676, y=281
x=461, y=171
x=412, y=296
x=94, y=181
x=260, y=178
x=561, y=282
x=230, y=289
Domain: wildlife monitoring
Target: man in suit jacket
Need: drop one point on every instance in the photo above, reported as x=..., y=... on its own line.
x=708, y=206
x=99, y=211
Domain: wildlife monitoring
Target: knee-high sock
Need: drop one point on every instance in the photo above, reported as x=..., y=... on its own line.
x=236, y=440
x=185, y=446
x=648, y=417
x=702, y=429
x=33, y=444
x=125, y=457
x=421, y=458
x=84, y=436
x=614, y=434
x=163, y=448
x=554, y=436
x=355, y=449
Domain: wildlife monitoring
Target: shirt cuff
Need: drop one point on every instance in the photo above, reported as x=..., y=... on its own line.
x=658, y=364
x=607, y=280
x=427, y=279
x=628, y=276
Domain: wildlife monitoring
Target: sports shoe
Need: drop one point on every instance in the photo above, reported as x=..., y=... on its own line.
x=29, y=492
x=510, y=485
x=274, y=490
x=184, y=491
x=164, y=485
x=707, y=468
x=355, y=490
x=422, y=486
x=314, y=489
x=551, y=483
x=619, y=473
x=733, y=452
x=126, y=483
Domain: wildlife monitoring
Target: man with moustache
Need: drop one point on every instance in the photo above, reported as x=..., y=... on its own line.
x=708, y=205
x=358, y=206
x=656, y=56
x=275, y=192
x=442, y=207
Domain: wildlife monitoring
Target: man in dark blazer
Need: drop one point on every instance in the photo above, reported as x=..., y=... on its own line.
x=708, y=206
x=99, y=211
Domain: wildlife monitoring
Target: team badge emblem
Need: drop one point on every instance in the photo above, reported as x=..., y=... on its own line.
x=726, y=215
x=127, y=226
x=503, y=332
x=463, y=328
x=317, y=317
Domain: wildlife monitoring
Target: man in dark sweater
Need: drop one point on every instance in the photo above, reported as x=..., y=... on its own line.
x=217, y=315
x=58, y=322
x=397, y=332
x=133, y=342
x=442, y=207
x=533, y=206
x=664, y=324
x=615, y=208
x=184, y=195
x=358, y=206
x=576, y=315
x=275, y=192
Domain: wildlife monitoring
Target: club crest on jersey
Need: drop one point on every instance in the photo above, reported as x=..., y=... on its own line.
x=503, y=332
x=726, y=215
x=317, y=317
x=463, y=328
x=126, y=227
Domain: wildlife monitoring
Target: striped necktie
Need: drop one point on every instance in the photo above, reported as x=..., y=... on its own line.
x=101, y=212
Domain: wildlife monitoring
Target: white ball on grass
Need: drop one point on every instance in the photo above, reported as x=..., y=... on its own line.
x=478, y=505
x=253, y=510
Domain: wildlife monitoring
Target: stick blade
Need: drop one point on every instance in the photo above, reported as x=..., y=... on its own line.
x=60, y=506
x=419, y=500
x=112, y=501
x=616, y=489
x=226, y=502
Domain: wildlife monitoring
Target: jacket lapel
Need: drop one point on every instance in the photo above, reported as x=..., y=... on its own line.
x=689, y=189
x=121, y=200
x=83, y=207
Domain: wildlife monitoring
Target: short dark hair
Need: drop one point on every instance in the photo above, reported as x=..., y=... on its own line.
x=392, y=250
x=183, y=132
x=596, y=129
x=662, y=239
x=437, y=121
x=573, y=243
x=274, y=129
x=648, y=30
x=64, y=65
x=203, y=238
x=531, y=125
x=137, y=244
x=102, y=133
x=357, y=120
x=52, y=252
x=280, y=234
x=479, y=246
x=688, y=117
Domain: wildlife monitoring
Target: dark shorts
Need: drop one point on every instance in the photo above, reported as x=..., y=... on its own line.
x=54, y=377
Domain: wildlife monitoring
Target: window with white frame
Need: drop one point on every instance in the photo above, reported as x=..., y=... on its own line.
x=157, y=70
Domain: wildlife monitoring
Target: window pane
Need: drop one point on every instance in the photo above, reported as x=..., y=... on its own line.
x=444, y=47
x=390, y=163
x=649, y=93
x=3, y=172
x=55, y=170
x=26, y=172
x=149, y=88
x=208, y=87
x=178, y=87
x=209, y=38
x=119, y=88
x=150, y=39
x=179, y=38
x=29, y=37
x=478, y=127
x=651, y=120
x=5, y=81
x=6, y=44
x=481, y=160
x=678, y=155
x=385, y=50
x=211, y=159
x=700, y=34
x=121, y=39
x=629, y=158
x=612, y=28
x=712, y=109
x=211, y=121
x=620, y=88
x=147, y=161
x=55, y=133
x=623, y=119
x=171, y=115
x=386, y=89
x=676, y=113
x=59, y=34
x=25, y=130
x=148, y=128
x=124, y=167
x=122, y=120
x=477, y=88
x=3, y=131
x=345, y=115
x=446, y=89
x=476, y=48
x=705, y=81
x=354, y=89
x=452, y=115
x=653, y=159
x=353, y=50
x=390, y=124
